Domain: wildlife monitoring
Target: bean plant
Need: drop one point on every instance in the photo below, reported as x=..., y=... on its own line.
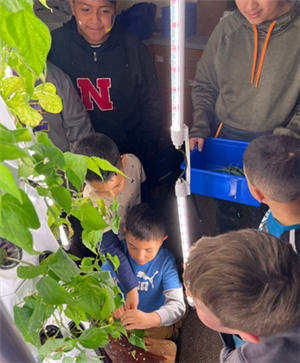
x=82, y=293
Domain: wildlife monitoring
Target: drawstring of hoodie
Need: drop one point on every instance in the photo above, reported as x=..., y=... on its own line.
x=262, y=54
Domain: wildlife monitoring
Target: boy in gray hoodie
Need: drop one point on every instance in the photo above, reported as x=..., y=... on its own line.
x=247, y=82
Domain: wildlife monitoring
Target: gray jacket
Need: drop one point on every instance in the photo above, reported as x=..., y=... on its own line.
x=280, y=348
x=223, y=89
x=73, y=122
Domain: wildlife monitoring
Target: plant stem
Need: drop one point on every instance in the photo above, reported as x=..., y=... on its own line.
x=20, y=261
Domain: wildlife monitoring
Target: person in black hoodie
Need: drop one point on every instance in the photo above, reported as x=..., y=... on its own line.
x=113, y=73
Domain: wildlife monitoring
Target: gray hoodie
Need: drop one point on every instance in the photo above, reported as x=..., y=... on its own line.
x=223, y=89
x=73, y=122
x=280, y=348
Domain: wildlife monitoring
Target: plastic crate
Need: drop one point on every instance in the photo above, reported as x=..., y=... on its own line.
x=190, y=19
x=218, y=154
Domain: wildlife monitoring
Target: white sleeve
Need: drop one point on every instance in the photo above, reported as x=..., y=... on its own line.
x=173, y=308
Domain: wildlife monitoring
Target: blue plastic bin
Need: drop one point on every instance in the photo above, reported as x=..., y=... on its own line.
x=190, y=19
x=218, y=154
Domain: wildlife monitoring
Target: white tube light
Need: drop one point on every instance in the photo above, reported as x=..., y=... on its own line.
x=177, y=23
x=181, y=191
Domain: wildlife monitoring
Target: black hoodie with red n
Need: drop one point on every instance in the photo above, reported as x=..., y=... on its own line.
x=117, y=83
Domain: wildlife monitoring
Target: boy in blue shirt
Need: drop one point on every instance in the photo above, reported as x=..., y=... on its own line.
x=161, y=302
x=272, y=169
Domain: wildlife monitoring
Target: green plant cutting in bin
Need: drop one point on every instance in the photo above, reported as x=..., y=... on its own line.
x=232, y=170
x=83, y=293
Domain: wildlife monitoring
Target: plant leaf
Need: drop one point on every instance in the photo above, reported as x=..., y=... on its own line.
x=30, y=272
x=54, y=155
x=108, y=305
x=48, y=99
x=91, y=219
x=23, y=214
x=32, y=38
x=62, y=197
x=21, y=318
x=136, y=338
x=67, y=359
x=91, y=238
x=42, y=138
x=75, y=313
x=63, y=266
x=114, y=260
x=56, y=356
x=8, y=184
x=10, y=85
x=52, y=345
x=93, y=338
x=10, y=151
x=14, y=136
x=76, y=167
x=93, y=166
x=52, y=292
x=19, y=235
x=27, y=114
x=38, y=316
x=90, y=301
x=106, y=165
x=74, y=258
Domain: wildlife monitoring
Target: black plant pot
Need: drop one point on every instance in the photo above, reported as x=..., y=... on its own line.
x=49, y=332
x=75, y=332
x=44, y=255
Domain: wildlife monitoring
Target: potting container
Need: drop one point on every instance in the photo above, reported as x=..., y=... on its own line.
x=219, y=154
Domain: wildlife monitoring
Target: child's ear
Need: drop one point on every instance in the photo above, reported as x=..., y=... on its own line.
x=123, y=157
x=166, y=236
x=72, y=6
x=258, y=195
x=249, y=337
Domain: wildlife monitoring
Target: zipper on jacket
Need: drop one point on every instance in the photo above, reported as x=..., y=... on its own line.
x=95, y=57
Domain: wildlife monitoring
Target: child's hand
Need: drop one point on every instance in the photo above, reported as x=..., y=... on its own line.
x=117, y=314
x=194, y=141
x=137, y=319
x=132, y=299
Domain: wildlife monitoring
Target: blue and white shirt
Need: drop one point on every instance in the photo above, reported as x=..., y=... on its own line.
x=290, y=234
x=160, y=289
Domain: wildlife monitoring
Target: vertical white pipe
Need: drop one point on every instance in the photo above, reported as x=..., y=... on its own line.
x=177, y=23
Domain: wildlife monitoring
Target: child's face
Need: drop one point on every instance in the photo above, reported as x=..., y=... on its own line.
x=94, y=19
x=142, y=251
x=111, y=188
x=259, y=11
x=208, y=318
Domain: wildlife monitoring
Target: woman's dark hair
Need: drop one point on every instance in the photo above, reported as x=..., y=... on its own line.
x=146, y=222
x=272, y=165
x=102, y=147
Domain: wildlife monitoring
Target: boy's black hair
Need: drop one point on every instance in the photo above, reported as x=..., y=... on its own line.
x=102, y=147
x=146, y=222
x=272, y=165
x=110, y=1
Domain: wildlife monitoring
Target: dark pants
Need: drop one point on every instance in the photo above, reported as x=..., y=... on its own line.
x=229, y=215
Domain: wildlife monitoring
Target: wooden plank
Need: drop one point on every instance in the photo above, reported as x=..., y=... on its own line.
x=120, y=350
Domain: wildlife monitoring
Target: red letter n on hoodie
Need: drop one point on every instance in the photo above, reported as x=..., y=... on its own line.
x=89, y=92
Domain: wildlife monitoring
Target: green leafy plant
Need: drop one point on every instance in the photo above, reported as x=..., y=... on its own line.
x=81, y=293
